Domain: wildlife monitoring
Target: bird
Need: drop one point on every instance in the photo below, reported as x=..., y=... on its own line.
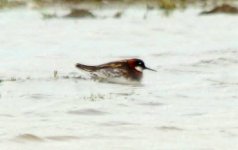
x=129, y=69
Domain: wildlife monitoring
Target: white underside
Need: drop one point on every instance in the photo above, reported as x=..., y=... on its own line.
x=112, y=76
x=139, y=68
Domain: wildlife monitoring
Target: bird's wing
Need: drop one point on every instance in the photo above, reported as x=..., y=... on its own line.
x=116, y=64
x=116, y=68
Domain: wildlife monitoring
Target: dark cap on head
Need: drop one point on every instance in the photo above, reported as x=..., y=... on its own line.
x=140, y=63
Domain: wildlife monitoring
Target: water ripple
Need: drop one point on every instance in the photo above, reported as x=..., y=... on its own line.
x=220, y=61
x=169, y=128
x=28, y=137
x=87, y=112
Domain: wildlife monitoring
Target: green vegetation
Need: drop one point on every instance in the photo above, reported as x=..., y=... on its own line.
x=167, y=5
x=11, y=3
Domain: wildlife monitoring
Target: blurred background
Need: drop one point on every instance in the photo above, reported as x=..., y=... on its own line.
x=165, y=5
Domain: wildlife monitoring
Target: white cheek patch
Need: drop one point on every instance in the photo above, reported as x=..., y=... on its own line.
x=139, y=68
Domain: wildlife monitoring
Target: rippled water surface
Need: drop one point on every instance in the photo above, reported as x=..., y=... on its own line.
x=189, y=103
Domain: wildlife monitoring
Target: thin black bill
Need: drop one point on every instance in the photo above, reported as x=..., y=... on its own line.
x=150, y=69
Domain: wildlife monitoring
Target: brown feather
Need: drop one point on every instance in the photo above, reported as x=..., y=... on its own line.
x=86, y=68
x=126, y=67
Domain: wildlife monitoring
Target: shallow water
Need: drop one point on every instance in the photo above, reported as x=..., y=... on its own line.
x=190, y=103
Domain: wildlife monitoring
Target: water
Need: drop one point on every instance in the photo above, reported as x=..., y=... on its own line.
x=189, y=103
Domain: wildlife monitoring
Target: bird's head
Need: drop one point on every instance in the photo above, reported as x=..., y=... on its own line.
x=138, y=65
